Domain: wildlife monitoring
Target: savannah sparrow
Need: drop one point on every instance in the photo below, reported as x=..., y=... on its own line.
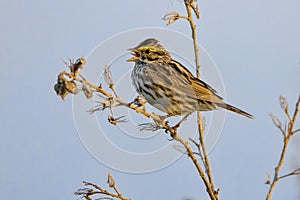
x=169, y=86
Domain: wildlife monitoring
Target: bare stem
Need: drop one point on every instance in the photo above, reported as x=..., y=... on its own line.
x=190, y=8
x=209, y=189
x=293, y=173
x=94, y=189
x=278, y=168
x=287, y=135
x=189, y=5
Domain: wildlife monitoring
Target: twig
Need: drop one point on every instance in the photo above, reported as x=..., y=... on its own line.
x=287, y=135
x=113, y=101
x=277, y=123
x=212, y=194
x=295, y=172
x=109, y=80
x=296, y=131
x=94, y=189
x=172, y=17
x=190, y=6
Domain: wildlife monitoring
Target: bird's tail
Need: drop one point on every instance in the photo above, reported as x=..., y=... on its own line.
x=234, y=109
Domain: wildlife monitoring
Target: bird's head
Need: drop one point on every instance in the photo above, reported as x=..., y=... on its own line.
x=149, y=51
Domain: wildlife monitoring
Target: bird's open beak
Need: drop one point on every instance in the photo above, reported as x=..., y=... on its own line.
x=136, y=55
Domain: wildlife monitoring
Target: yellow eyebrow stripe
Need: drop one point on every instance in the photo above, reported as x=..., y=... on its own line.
x=146, y=48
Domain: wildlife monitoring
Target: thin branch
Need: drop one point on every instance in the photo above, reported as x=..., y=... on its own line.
x=278, y=168
x=189, y=5
x=109, y=80
x=284, y=107
x=172, y=17
x=296, y=131
x=212, y=194
x=287, y=135
x=94, y=189
x=192, y=7
x=293, y=173
x=297, y=107
x=277, y=123
x=199, y=149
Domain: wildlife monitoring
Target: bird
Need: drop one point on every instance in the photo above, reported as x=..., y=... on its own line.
x=169, y=86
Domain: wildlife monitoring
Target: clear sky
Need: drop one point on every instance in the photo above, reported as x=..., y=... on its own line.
x=255, y=45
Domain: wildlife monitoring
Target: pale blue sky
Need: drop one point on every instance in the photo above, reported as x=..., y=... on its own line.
x=254, y=43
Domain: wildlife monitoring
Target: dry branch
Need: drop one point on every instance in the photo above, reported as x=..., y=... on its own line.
x=92, y=190
x=287, y=134
x=112, y=100
x=192, y=7
x=73, y=81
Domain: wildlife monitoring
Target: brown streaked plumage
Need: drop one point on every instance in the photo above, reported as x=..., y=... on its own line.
x=169, y=86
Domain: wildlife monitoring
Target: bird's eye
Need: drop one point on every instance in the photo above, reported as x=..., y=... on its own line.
x=147, y=51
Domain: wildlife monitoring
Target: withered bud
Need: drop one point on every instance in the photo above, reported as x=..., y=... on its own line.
x=276, y=121
x=107, y=76
x=171, y=18
x=139, y=101
x=110, y=181
x=75, y=67
x=63, y=86
x=283, y=103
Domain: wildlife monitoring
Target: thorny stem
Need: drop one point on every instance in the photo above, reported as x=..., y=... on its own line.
x=286, y=139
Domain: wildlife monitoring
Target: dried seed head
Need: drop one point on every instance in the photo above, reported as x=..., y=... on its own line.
x=276, y=121
x=110, y=181
x=75, y=67
x=283, y=103
x=139, y=101
x=107, y=76
x=63, y=86
x=80, y=61
x=171, y=18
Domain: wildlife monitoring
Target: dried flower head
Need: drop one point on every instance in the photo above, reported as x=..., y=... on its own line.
x=139, y=101
x=110, y=181
x=107, y=76
x=171, y=18
x=75, y=67
x=283, y=103
x=63, y=86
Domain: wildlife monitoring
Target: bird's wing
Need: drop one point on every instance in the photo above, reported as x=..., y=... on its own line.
x=196, y=88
